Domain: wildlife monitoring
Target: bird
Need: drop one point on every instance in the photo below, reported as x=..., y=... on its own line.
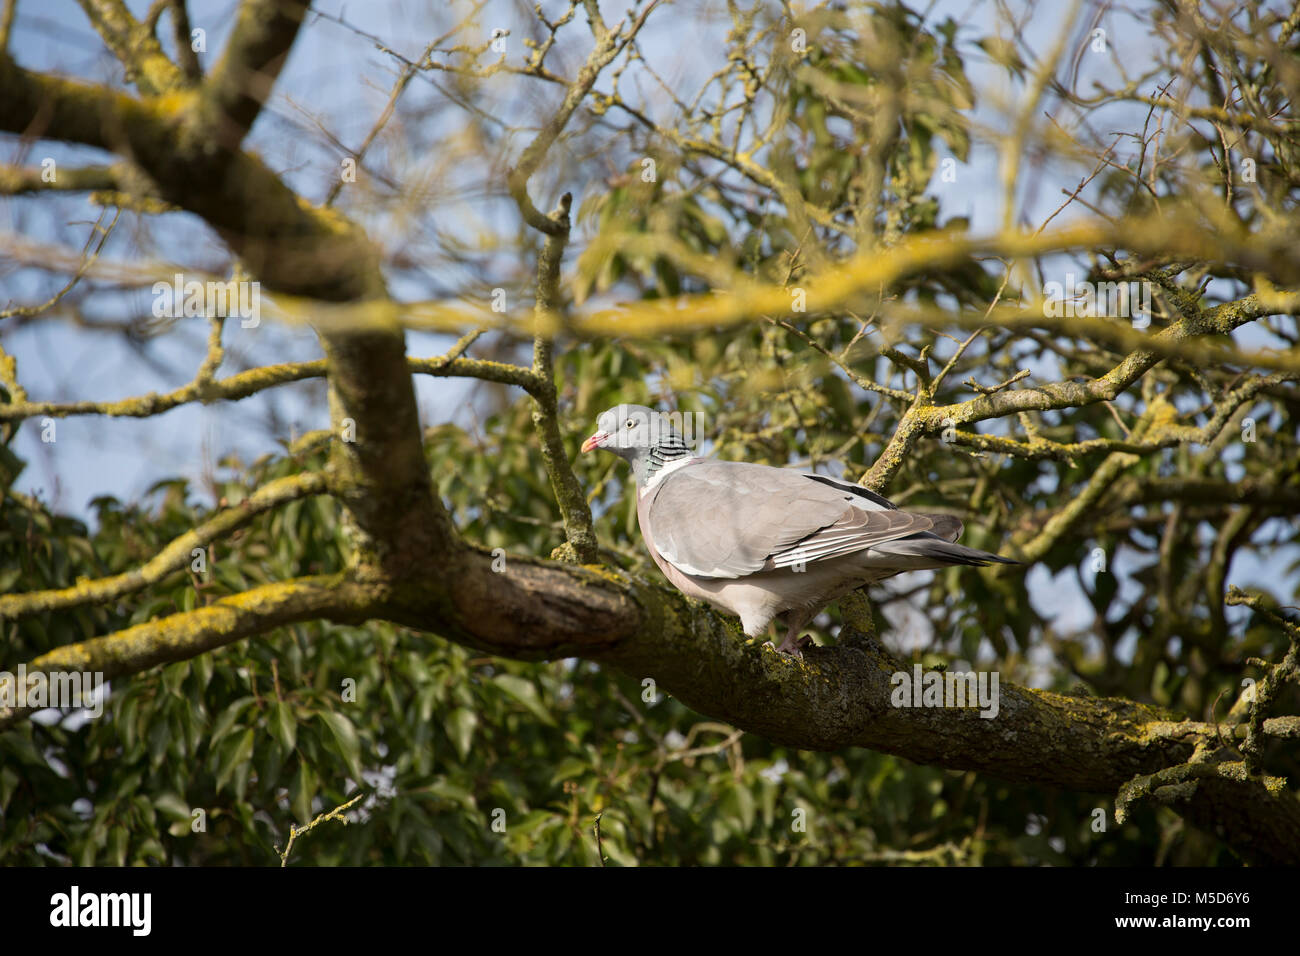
x=765, y=543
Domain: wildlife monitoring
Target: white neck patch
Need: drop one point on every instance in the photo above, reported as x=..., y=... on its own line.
x=658, y=475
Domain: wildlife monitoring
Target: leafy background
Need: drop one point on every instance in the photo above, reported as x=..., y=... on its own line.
x=259, y=737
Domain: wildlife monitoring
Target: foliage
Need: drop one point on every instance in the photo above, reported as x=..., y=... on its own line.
x=257, y=736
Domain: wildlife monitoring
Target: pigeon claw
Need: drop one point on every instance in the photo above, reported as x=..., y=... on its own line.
x=795, y=647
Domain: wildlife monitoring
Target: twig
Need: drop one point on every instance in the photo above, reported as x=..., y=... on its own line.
x=296, y=831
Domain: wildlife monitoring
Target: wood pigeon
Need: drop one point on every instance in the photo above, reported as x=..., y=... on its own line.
x=767, y=543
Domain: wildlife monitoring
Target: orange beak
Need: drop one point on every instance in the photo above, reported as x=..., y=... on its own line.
x=595, y=441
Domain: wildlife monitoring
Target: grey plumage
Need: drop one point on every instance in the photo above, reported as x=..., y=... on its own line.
x=767, y=543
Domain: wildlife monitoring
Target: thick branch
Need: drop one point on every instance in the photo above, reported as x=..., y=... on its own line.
x=1260, y=815
x=284, y=243
x=836, y=697
x=242, y=81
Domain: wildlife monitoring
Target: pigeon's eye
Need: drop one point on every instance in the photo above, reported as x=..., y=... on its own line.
x=631, y=422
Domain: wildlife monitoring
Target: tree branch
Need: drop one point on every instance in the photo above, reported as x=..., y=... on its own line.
x=134, y=45
x=171, y=558
x=15, y=181
x=240, y=84
x=244, y=384
x=581, y=538
x=191, y=633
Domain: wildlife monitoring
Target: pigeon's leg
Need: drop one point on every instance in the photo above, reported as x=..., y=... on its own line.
x=795, y=622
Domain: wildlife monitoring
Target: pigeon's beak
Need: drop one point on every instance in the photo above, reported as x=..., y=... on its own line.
x=595, y=441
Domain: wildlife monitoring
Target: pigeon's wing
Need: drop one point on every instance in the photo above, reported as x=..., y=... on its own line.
x=722, y=519
x=946, y=526
x=856, y=530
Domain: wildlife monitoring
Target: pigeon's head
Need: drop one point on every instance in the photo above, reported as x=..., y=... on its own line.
x=646, y=439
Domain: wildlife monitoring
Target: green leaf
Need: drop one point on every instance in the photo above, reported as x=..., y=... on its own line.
x=227, y=719
x=460, y=726
x=304, y=790
x=446, y=790
x=525, y=691
x=345, y=736
x=173, y=806
x=570, y=767
x=173, y=677
x=235, y=752
x=285, y=724
x=118, y=838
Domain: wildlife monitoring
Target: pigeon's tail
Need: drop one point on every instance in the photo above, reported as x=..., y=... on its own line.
x=935, y=548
